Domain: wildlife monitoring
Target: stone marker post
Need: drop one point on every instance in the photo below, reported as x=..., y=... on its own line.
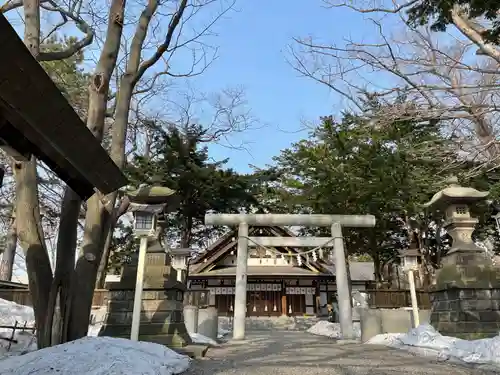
x=466, y=296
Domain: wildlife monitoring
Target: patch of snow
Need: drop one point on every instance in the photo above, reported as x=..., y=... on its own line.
x=223, y=333
x=24, y=341
x=97, y=321
x=332, y=330
x=98, y=356
x=483, y=351
x=11, y=312
x=202, y=339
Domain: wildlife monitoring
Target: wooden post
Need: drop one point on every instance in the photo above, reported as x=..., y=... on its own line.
x=284, y=310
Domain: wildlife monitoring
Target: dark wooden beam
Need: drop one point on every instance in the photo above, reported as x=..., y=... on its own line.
x=42, y=122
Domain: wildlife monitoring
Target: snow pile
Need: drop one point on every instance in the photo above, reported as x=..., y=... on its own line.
x=98, y=356
x=483, y=351
x=201, y=339
x=24, y=341
x=359, y=299
x=332, y=330
x=10, y=312
x=97, y=320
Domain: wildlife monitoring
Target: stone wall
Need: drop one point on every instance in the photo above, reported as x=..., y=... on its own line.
x=377, y=321
x=466, y=312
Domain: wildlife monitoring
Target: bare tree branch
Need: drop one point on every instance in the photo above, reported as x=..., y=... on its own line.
x=433, y=72
x=80, y=23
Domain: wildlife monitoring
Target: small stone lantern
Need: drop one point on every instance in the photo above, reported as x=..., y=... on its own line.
x=146, y=219
x=465, y=297
x=496, y=209
x=409, y=259
x=180, y=259
x=409, y=262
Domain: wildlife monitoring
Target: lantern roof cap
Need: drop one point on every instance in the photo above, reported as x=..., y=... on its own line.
x=181, y=251
x=149, y=208
x=454, y=193
x=409, y=252
x=153, y=194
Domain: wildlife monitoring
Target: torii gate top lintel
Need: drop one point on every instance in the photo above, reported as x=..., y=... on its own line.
x=313, y=220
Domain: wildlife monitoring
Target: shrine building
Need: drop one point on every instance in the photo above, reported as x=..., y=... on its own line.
x=279, y=282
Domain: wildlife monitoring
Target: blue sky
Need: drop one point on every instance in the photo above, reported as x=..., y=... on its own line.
x=253, y=46
x=253, y=53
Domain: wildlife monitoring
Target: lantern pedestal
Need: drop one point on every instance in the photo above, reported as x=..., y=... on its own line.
x=466, y=297
x=162, y=318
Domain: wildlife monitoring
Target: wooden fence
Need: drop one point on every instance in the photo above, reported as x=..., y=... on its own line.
x=22, y=296
x=377, y=298
x=393, y=299
x=11, y=338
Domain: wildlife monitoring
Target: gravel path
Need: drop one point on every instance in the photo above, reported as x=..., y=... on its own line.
x=299, y=353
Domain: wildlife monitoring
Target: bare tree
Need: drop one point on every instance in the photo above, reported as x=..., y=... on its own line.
x=70, y=288
x=222, y=114
x=414, y=73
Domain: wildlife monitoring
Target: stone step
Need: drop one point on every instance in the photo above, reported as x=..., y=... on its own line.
x=194, y=351
x=114, y=318
x=146, y=328
x=173, y=341
x=146, y=305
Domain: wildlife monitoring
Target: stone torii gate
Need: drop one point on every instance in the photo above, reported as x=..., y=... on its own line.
x=335, y=222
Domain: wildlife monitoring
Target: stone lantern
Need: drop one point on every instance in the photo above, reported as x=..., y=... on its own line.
x=496, y=217
x=409, y=259
x=409, y=262
x=180, y=260
x=467, y=289
x=147, y=303
x=455, y=202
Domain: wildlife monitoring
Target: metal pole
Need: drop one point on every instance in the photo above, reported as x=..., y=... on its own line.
x=139, y=281
x=413, y=295
x=345, y=308
x=240, y=293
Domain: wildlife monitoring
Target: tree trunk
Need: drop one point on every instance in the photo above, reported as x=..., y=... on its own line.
x=117, y=153
x=84, y=277
x=59, y=299
x=103, y=264
x=134, y=72
x=464, y=26
x=377, y=266
x=186, y=232
x=31, y=239
x=28, y=220
x=9, y=253
x=119, y=131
